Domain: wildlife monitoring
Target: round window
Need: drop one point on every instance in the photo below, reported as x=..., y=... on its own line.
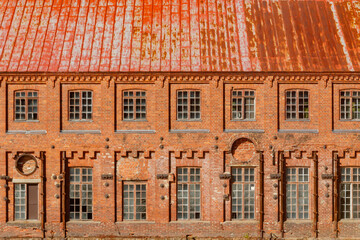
x=26, y=164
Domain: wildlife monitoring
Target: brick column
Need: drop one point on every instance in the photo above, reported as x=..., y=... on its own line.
x=325, y=106
x=162, y=199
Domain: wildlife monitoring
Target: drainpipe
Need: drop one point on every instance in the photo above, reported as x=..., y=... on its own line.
x=63, y=190
x=261, y=223
x=336, y=194
x=282, y=194
x=42, y=176
x=316, y=195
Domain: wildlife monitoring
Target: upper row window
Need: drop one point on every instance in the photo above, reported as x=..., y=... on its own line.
x=243, y=104
x=80, y=105
x=188, y=105
x=134, y=107
x=350, y=105
x=26, y=105
x=297, y=105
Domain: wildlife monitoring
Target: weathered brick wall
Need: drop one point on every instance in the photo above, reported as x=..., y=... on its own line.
x=141, y=156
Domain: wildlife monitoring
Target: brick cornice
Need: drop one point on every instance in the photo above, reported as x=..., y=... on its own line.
x=203, y=77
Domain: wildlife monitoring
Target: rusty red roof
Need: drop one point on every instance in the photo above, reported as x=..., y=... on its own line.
x=179, y=35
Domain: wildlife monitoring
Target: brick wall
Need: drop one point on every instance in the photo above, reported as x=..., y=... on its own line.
x=139, y=151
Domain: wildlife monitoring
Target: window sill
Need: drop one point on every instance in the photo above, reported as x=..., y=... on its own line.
x=137, y=131
x=189, y=120
x=298, y=131
x=26, y=132
x=243, y=120
x=188, y=221
x=244, y=130
x=350, y=220
x=26, y=121
x=135, y=222
x=80, y=121
x=189, y=131
x=346, y=131
x=135, y=120
x=24, y=223
x=349, y=120
x=82, y=222
x=82, y=131
x=299, y=221
x=297, y=120
x=241, y=221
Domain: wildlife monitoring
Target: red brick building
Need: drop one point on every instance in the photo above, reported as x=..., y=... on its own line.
x=174, y=118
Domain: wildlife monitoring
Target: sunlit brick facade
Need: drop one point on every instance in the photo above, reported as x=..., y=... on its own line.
x=179, y=119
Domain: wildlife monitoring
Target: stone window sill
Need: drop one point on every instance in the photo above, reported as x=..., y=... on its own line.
x=25, y=223
x=241, y=221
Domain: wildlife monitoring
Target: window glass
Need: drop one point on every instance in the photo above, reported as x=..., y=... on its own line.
x=26, y=105
x=80, y=105
x=81, y=194
x=243, y=193
x=188, y=105
x=188, y=193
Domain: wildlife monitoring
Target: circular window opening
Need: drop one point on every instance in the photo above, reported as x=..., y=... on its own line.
x=243, y=149
x=26, y=164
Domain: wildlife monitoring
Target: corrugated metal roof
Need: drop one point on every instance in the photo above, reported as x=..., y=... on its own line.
x=179, y=35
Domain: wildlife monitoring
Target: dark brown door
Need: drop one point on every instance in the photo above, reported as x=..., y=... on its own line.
x=33, y=201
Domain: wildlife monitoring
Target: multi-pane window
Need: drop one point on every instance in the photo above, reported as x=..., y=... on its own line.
x=243, y=104
x=134, y=105
x=243, y=193
x=26, y=202
x=188, y=105
x=297, y=193
x=297, y=105
x=134, y=201
x=350, y=193
x=188, y=193
x=350, y=105
x=80, y=105
x=26, y=105
x=81, y=199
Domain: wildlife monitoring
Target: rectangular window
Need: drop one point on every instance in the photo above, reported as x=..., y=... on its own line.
x=81, y=200
x=188, y=105
x=26, y=201
x=134, y=105
x=80, y=105
x=188, y=193
x=243, y=104
x=26, y=105
x=297, y=193
x=297, y=105
x=243, y=193
x=350, y=193
x=134, y=201
x=350, y=105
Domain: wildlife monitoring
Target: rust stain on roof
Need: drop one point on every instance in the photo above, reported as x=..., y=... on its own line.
x=179, y=35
